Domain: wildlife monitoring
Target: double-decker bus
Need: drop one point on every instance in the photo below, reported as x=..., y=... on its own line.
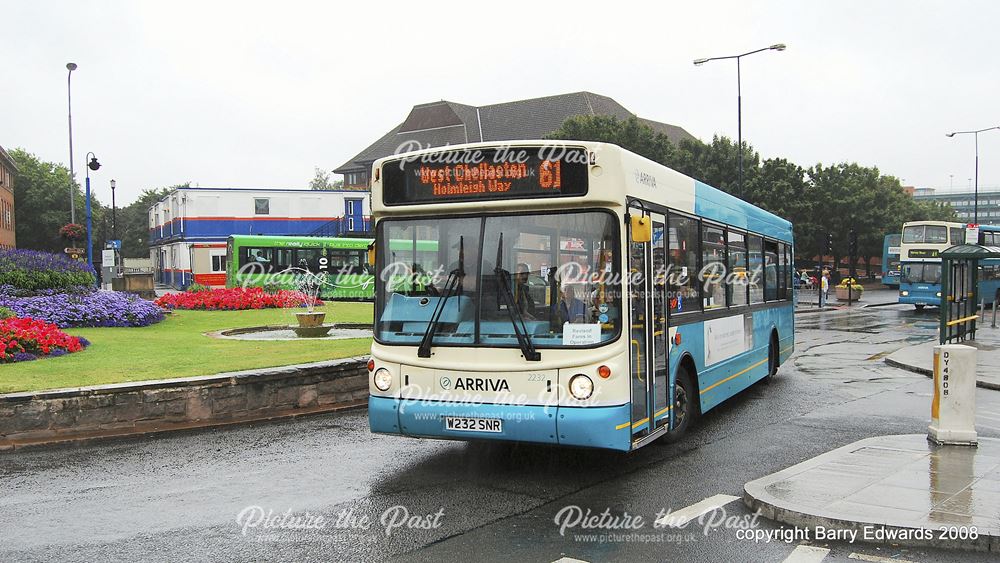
x=890, y=260
x=285, y=262
x=922, y=242
x=580, y=295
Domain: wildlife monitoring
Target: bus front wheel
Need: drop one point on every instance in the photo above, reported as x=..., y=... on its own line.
x=685, y=405
x=772, y=359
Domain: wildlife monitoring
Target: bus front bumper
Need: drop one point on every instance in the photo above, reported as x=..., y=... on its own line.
x=920, y=298
x=592, y=427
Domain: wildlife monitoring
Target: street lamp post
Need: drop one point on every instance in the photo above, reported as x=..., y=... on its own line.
x=975, y=204
x=739, y=98
x=69, y=100
x=91, y=165
x=114, y=223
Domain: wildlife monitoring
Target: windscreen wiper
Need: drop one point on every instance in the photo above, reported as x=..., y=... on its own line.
x=516, y=318
x=452, y=287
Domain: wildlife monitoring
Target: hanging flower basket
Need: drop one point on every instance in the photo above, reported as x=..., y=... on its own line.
x=73, y=232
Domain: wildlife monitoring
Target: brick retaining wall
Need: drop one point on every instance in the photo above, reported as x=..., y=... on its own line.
x=122, y=409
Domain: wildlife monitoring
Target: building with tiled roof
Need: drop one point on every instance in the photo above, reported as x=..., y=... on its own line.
x=449, y=123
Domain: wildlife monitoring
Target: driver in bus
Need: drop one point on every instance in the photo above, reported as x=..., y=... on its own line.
x=571, y=308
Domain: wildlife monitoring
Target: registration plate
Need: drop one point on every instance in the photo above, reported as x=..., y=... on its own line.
x=473, y=424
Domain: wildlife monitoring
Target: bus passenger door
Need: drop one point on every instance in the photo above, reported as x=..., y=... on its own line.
x=647, y=330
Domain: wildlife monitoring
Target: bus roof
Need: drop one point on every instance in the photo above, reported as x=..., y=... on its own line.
x=298, y=242
x=637, y=177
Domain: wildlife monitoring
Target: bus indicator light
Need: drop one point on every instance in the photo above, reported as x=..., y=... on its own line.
x=604, y=371
x=677, y=339
x=371, y=365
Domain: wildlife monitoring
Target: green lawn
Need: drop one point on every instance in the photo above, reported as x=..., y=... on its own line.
x=178, y=347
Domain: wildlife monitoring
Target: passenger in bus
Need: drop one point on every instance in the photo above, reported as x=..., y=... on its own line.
x=260, y=259
x=571, y=308
x=522, y=295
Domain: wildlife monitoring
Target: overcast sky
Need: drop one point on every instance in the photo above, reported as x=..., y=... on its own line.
x=257, y=94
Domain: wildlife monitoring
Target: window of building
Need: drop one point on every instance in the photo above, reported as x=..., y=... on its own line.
x=218, y=263
x=682, y=279
x=261, y=206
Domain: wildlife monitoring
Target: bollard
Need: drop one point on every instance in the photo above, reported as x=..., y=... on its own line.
x=994, y=324
x=953, y=408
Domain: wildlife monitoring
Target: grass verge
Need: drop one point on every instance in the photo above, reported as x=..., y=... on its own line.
x=178, y=347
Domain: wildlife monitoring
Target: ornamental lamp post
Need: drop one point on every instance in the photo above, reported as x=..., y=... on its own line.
x=975, y=208
x=739, y=98
x=91, y=165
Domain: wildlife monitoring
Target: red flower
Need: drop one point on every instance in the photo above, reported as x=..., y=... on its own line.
x=234, y=299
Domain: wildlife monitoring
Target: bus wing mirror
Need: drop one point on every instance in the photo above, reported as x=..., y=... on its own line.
x=641, y=228
x=371, y=254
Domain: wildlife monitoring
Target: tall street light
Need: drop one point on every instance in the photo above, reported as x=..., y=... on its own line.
x=739, y=97
x=92, y=165
x=69, y=100
x=114, y=224
x=975, y=208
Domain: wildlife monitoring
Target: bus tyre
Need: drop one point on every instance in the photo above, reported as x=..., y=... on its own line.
x=772, y=359
x=685, y=407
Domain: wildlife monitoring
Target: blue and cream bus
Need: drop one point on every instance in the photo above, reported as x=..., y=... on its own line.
x=890, y=260
x=581, y=295
x=920, y=263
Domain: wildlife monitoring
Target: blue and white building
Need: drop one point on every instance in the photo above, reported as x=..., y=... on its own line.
x=188, y=228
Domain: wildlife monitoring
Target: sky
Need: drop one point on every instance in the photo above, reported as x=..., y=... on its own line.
x=258, y=94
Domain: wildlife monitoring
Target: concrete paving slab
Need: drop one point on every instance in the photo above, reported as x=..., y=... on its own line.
x=901, y=490
x=919, y=358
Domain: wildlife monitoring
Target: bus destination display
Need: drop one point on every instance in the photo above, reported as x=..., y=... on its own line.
x=520, y=172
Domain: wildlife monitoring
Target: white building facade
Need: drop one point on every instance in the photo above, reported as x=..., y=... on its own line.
x=188, y=228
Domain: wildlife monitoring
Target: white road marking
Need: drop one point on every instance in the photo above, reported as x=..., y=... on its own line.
x=681, y=517
x=807, y=554
x=569, y=560
x=877, y=559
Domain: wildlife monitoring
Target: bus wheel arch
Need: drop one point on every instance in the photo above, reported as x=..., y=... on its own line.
x=687, y=398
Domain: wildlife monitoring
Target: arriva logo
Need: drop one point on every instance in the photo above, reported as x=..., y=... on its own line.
x=445, y=383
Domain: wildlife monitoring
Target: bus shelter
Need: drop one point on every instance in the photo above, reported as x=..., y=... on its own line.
x=960, y=290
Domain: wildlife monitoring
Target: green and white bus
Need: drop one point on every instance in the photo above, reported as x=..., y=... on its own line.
x=285, y=262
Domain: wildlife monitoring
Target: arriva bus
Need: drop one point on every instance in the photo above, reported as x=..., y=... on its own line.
x=581, y=295
x=285, y=262
x=890, y=260
x=920, y=265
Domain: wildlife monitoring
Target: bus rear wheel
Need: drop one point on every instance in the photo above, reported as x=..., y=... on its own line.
x=685, y=407
x=772, y=359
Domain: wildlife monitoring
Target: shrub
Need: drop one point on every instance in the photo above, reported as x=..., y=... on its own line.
x=32, y=271
x=237, y=298
x=23, y=340
x=98, y=308
x=6, y=313
x=197, y=287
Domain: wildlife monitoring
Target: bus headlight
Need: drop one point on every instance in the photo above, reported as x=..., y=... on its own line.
x=382, y=379
x=939, y=294
x=581, y=386
x=904, y=293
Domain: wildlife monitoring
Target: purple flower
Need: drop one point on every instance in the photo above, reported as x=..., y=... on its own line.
x=95, y=309
x=57, y=352
x=24, y=357
x=83, y=341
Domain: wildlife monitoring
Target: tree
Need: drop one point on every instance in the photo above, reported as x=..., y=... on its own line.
x=133, y=221
x=321, y=181
x=42, y=206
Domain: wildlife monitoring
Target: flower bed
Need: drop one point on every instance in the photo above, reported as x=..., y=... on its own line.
x=98, y=308
x=235, y=299
x=31, y=270
x=24, y=339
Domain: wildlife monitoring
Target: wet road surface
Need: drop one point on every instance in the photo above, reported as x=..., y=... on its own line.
x=178, y=497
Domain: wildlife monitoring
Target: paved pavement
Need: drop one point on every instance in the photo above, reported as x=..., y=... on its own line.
x=899, y=490
x=808, y=300
x=919, y=358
